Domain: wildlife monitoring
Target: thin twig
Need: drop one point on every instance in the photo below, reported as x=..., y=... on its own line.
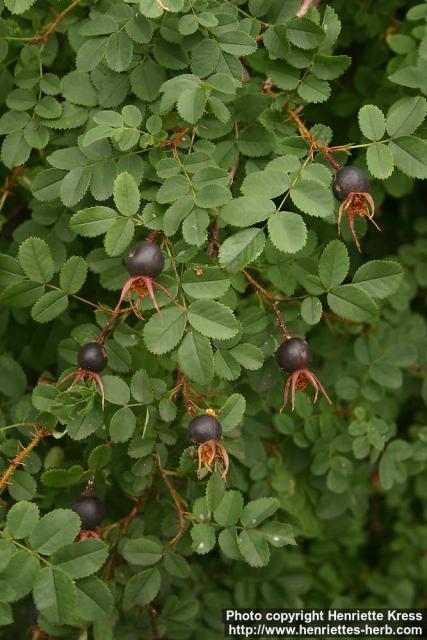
x=177, y=502
x=272, y=301
x=17, y=460
x=315, y=145
x=51, y=28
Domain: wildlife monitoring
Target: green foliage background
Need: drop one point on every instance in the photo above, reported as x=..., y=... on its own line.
x=324, y=506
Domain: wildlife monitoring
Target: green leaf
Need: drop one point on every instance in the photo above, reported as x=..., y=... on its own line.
x=229, y=509
x=334, y=264
x=73, y=274
x=191, y=104
x=74, y=186
x=258, y=510
x=215, y=490
x=81, y=559
x=195, y=357
x=177, y=566
x=49, y=306
x=380, y=160
x=313, y=198
x=406, y=115
x=99, y=457
x=21, y=573
x=142, y=551
x=311, y=310
x=15, y=150
x=410, y=156
x=212, y=319
x=54, y=595
x=126, y=194
x=237, y=43
x=13, y=381
x=142, y=588
x=278, y=534
x=36, y=260
x=330, y=67
x=122, y=425
x=10, y=271
x=22, y=518
x=248, y=355
x=55, y=529
x=287, y=231
x=254, y=548
x=22, y=294
x=203, y=536
x=256, y=141
x=351, y=303
x=119, y=51
x=19, y=6
x=247, y=210
x=164, y=330
x=6, y=614
x=205, y=283
x=276, y=41
x=304, y=33
x=269, y=183
x=94, y=599
x=379, y=278
x=232, y=412
x=83, y=426
x=311, y=89
x=61, y=478
x=371, y=122
x=141, y=387
x=116, y=390
x=93, y=221
x=119, y=236
x=78, y=88
x=240, y=249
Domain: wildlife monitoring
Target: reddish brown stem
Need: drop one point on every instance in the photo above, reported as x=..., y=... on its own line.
x=315, y=145
x=18, y=459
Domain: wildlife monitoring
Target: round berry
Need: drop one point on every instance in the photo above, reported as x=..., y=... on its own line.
x=92, y=357
x=204, y=428
x=91, y=510
x=349, y=180
x=294, y=354
x=146, y=259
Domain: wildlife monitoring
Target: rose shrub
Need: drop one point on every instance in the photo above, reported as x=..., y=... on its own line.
x=214, y=132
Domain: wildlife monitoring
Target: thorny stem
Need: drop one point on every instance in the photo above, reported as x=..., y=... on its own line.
x=51, y=28
x=315, y=145
x=10, y=182
x=273, y=302
x=17, y=460
x=177, y=502
x=182, y=385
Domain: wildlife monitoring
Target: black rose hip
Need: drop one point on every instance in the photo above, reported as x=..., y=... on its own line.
x=144, y=263
x=146, y=259
x=92, y=357
x=351, y=189
x=91, y=510
x=206, y=431
x=204, y=428
x=349, y=180
x=294, y=356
